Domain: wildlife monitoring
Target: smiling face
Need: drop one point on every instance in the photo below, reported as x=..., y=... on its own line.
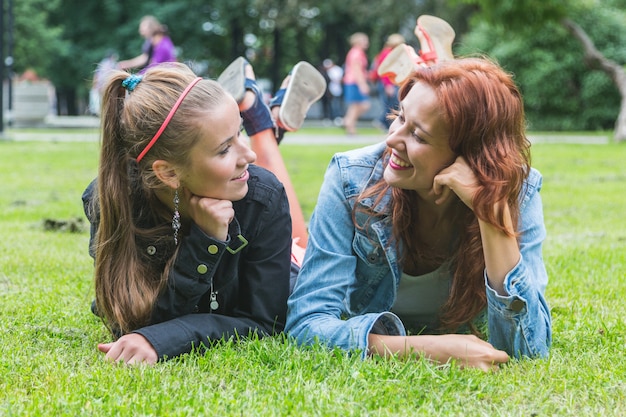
x=218, y=162
x=418, y=138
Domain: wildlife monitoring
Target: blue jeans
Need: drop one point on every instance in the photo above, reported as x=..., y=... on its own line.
x=390, y=103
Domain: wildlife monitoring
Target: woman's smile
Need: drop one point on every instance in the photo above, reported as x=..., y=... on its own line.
x=396, y=162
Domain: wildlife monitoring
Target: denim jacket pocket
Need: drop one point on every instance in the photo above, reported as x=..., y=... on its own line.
x=368, y=251
x=371, y=269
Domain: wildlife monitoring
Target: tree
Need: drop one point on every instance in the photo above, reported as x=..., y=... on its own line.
x=64, y=39
x=594, y=59
x=35, y=40
x=530, y=16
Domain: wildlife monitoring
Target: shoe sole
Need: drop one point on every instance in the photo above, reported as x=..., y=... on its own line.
x=441, y=35
x=233, y=78
x=306, y=85
x=398, y=63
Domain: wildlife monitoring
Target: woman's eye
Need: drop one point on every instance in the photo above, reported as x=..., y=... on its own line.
x=418, y=137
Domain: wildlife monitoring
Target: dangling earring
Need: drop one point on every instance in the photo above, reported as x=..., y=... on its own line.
x=176, y=218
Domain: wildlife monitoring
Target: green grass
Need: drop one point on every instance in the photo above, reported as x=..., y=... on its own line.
x=49, y=364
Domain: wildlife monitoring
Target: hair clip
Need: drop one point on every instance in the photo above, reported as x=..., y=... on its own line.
x=131, y=82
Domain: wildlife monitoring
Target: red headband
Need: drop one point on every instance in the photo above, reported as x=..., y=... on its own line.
x=167, y=119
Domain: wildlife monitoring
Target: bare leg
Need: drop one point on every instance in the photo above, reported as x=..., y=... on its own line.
x=355, y=110
x=268, y=156
x=265, y=146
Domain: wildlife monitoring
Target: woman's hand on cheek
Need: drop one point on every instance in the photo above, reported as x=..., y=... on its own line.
x=211, y=215
x=458, y=178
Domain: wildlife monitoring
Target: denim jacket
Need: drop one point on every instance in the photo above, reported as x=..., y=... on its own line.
x=250, y=278
x=349, y=277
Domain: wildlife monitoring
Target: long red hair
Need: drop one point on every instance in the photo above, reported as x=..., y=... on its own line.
x=484, y=111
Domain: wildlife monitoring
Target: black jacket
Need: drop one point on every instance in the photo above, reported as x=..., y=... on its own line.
x=251, y=279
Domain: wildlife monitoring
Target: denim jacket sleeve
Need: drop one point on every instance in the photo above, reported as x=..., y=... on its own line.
x=318, y=308
x=520, y=323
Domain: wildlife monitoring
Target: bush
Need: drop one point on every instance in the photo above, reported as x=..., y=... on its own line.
x=560, y=91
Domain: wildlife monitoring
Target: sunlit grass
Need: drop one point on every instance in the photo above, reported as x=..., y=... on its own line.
x=49, y=364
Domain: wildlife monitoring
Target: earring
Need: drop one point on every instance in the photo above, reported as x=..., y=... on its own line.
x=176, y=218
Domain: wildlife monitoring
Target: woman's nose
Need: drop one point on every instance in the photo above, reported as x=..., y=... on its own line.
x=393, y=136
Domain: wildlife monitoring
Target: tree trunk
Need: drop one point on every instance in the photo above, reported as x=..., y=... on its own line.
x=595, y=60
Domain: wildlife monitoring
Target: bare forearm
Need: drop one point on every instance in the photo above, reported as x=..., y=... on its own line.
x=423, y=345
x=133, y=62
x=469, y=350
x=501, y=251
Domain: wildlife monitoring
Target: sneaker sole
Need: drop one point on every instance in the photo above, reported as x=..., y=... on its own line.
x=399, y=63
x=233, y=78
x=441, y=34
x=306, y=86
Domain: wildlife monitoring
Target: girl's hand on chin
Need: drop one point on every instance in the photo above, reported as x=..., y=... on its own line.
x=212, y=215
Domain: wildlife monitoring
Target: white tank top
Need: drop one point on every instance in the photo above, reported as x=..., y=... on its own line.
x=419, y=298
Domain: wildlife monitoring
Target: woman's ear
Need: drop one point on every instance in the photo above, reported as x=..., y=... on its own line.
x=167, y=173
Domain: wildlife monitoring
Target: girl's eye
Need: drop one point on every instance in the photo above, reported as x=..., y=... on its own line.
x=225, y=150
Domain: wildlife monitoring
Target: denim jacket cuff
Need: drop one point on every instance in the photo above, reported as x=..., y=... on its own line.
x=514, y=286
x=385, y=324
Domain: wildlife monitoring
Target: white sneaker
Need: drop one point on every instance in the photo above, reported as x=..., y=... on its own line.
x=233, y=78
x=306, y=85
x=439, y=36
x=399, y=64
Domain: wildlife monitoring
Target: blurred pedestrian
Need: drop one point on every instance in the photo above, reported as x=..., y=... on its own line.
x=333, y=104
x=108, y=63
x=355, y=81
x=387, y=90
x=157, y=47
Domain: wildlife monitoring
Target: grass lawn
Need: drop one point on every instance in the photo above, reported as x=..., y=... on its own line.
x=49, y=364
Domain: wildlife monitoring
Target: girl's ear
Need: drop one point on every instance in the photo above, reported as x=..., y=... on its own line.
x=167, y=173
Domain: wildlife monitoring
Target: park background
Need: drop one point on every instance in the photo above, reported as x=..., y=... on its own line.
x=49, y=364
x=567, y=56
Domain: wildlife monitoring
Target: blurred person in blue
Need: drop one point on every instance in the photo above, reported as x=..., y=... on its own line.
x=387, y=89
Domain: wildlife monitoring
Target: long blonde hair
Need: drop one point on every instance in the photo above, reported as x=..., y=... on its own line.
x=127, y=281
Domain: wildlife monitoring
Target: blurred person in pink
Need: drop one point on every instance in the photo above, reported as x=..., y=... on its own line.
x=355, y=81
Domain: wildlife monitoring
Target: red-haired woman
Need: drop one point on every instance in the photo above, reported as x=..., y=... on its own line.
x=422, y=243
